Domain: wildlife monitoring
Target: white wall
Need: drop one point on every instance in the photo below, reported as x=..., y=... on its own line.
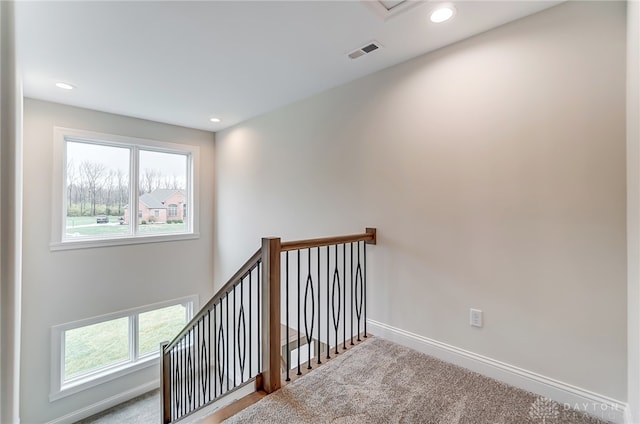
x=10, y=217
x=494, y=170
x=65, y=286
x=633, y=206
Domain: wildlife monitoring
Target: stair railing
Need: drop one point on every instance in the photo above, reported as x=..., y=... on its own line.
x=242, y=335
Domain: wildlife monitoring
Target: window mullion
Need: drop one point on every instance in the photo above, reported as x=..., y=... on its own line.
x=135, y=188
x=133, y=337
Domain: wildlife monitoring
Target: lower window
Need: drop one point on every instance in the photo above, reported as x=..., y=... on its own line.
x=99, y=349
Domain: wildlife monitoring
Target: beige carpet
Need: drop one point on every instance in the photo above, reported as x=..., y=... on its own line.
x=382, y=382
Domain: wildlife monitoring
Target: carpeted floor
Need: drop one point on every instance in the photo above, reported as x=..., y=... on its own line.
x=382, y=382
x=144, y=409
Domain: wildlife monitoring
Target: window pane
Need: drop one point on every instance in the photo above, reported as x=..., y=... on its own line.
x=97, y=190
x=163, y=190
x=158, y=326
x=95, y=346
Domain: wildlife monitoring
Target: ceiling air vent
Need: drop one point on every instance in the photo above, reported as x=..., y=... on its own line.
x=366, y=49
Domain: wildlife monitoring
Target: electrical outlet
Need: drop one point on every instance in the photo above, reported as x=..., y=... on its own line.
x=475, y=317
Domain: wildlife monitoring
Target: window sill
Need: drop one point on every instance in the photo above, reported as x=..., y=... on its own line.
x=124, y=241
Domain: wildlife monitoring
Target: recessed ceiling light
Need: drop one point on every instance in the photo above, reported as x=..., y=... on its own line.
x=442, y=13
x=64, y=86
x=215, y=120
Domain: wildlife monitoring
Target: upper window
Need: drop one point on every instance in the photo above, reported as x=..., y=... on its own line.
x=105, y=179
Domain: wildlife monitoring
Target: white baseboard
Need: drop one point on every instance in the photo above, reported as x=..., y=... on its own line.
x=566, y=394
x=106, y=403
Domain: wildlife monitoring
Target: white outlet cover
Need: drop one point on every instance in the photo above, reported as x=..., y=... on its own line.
x=475, y=317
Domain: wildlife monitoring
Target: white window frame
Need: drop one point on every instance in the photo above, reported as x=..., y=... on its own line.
x=59, y=192
x=60, y=388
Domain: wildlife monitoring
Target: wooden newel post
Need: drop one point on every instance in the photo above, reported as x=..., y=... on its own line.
x=165, y=384
x=271, y=248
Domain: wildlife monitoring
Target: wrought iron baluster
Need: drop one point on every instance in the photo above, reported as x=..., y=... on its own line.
x=286, y=290
x=309, y=287
x=298, y=329
x=319, y=308
x=196, y=360
x=336, y=283
x=242, y=352
x=220, y=351
x=250, y=324
x=183, y=387
x=190, y=370
x=229, y=335
x=344, y=298
x=258, y=344
x=209, y=352
x=328, y=336
x=176, y=385
x=359, y=291
x=235, y=344
x=351, y=290
x=364, y=249
x=215, y=353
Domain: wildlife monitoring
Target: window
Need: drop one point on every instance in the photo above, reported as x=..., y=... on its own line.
x=172, y=210
x=99, y=349
x=103, y=179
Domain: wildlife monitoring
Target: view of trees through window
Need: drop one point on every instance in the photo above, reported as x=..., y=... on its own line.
x=98, y=190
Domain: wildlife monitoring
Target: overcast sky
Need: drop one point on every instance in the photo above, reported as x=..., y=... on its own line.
x=115, y=158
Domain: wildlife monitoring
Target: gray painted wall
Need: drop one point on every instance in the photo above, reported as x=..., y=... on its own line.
x=65, y=286
x=494, y=170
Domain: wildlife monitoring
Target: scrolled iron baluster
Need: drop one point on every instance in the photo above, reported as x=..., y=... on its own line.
x=220, y=351
x=242, y=351
x=336, y=283
x=351, y=291
x=190, y=375
x=359, y=290
x=214, y=354
x=344, y=298
x=309, y=331
x=204, y=366
x=177, y=382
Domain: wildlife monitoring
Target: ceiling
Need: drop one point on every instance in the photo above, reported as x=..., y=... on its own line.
x=185, y=62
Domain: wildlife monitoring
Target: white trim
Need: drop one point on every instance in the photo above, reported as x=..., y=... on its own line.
x=566, y=394
x=88, y=244
x=97, y=407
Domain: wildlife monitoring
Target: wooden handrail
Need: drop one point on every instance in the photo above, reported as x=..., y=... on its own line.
x=369, y=237
x=244, y=269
